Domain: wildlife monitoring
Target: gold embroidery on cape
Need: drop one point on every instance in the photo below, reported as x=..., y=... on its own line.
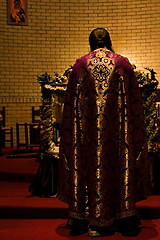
x=75, y=152
x=86, y=203
x=126, y=177
x=77, y=215
x=80, y=118
x=99, y=150
x=126, y=214
x=101, y=68
x=101, y=222
x=126, y=150
x=100, y=72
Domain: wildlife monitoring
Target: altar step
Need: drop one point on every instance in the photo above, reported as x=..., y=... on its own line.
x=18, y=169
x=17, y=202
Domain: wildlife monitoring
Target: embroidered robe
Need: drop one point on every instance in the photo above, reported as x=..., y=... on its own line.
x=103, y=166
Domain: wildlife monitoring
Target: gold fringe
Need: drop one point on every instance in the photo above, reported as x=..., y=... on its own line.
x=101, y=222
x=126, y=214
x=77, y=215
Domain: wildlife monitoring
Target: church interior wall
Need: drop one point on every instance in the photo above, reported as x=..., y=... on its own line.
x=57, y=33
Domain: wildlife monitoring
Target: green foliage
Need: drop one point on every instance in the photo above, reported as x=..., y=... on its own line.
x=148, y=85
x=47, y=120
x=58, y=78
x=44, y=79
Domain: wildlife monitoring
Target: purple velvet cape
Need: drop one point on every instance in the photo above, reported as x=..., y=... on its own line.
x=103, y=166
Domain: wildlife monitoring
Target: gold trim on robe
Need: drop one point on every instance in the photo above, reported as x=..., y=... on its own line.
x=103, y=165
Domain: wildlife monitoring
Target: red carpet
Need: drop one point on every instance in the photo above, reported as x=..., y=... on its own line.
x=53, y=229
x=23, y=216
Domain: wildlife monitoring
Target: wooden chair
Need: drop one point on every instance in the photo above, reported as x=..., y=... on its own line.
x=31, y=131
x=6, y=132
x=19, y=127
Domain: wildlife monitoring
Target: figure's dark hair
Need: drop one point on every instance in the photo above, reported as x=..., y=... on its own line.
x=15, y=1
x=99, y=38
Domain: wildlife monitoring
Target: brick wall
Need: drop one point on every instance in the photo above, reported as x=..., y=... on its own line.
x=57, y=33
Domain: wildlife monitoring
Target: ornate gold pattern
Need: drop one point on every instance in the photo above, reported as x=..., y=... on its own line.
x=100, y=72
x=97, y=142
x=101, y=222
x=75, y=153
x=77, y=215
x=101, y=67
x=126, y=149
x=126, y=214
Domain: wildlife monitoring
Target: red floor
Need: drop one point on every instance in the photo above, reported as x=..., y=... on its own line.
x=26, y=217
x=54, y=229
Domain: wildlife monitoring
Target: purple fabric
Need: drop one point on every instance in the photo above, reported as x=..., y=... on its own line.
x=103, y=167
